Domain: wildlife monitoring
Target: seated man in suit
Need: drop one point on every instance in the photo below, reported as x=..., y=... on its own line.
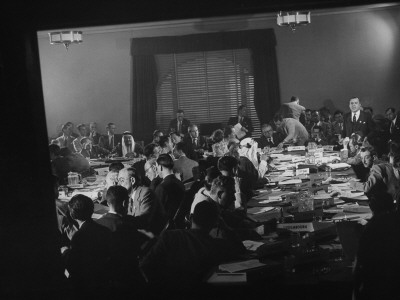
x=112, y=141
x=245, y=122
x=356, y=120
x=89, y=150
x=180, y=125
x=326, y=128
x=394, y=127
x=269, y=137
x=142, y=203
x=66, y=139
x=77, y=142
x=150, y=152
x=86, y=259
x=125, y=239
x=180, y=259
x=182, y=164
x=295, y=132
x=93, y=134
x=171, y=191
x=195, y=144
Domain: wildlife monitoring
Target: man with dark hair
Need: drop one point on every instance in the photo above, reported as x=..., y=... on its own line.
x=66, y=140
x=166, y=144
x=112, y=141
x=171, y=191
x=141, y=203
x=243, y=120
x=337, y=124
x=94, y=135
x=180, y=125
x=144, y=167
x=175, y=137
x=88, y=150
x=326, y=129
x=180, y=259
x=356, y=120
x=125, y=238
x=294, y=131
x=157, y=134
x=204, y=192
x=293, y=109
x=182, y=164
x=195, y=144
x=394, y=127
x=90, y=247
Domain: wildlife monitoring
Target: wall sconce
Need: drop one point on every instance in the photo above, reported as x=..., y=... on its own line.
x=65, y=37
x=293, y=19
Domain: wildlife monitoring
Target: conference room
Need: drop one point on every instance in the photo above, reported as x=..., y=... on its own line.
x=138, y=74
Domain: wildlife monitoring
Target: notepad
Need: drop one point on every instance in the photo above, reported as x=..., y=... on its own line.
x=290, y=181
x=227, y=278
x=241, y=265
x=252, y=245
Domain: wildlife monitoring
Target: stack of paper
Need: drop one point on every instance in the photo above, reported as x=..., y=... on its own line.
x=241, y=265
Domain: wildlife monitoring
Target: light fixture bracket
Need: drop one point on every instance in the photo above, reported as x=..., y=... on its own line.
x=293, y=19
x=65, y=37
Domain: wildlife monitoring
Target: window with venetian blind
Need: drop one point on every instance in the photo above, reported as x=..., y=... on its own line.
x=208, y=86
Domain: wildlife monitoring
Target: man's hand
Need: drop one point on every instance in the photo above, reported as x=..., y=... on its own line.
x=280, y=146
x=264, y=156
x=243, y=129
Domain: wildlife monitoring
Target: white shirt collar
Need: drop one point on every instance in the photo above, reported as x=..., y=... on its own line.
x=357, y=113
x=394, y=120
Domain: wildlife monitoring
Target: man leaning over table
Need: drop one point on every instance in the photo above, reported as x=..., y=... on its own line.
x=385, y=175
x=295, y=132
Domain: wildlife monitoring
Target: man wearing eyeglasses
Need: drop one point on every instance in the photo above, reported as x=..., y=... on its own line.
x=142, y=204
x=269, y=137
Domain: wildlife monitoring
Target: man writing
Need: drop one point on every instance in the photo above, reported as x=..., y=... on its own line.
x=246, y=126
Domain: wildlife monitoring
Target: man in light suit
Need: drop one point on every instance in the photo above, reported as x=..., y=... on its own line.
x=295, y=132
x=66, y=140
x=245, y=121
x=111, y=142
x=142, y=204
x=182, y=164
x=180, y=124
x=356, y=120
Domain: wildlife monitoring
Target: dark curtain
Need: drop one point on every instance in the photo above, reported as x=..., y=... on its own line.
x=144, y=100
x=261, y=43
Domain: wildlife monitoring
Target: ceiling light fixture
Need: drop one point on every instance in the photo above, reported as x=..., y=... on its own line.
x=293, y=19
x=65, y=37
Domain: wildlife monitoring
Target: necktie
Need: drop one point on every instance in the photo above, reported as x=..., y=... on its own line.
x=112, y=142
x=66, y=142
x=391, y=126
x=354, y=118
x=195, y=142
x=179, y=126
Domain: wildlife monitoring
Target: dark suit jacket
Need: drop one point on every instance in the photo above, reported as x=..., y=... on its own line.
x=277, y=139
x=88, y=257
x=173, y=125
x=245, y=123
x=104, y=143
x=395, y=134
x=364, y=124
x=170, y=193
x=125, y=247
x=94, y=153
x=192, y=151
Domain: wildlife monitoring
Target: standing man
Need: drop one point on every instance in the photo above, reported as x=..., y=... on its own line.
x=294, y=109
x=356, y=120
x=243, y=120
x=171, y=191
x=111, y=140
x=394, y=127
x=195, y=144
x=295, y=132
x=180, y=124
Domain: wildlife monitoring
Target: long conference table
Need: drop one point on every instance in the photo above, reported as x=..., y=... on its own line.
x=310, y=221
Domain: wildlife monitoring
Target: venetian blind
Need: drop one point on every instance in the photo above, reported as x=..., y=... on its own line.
x=208, y=86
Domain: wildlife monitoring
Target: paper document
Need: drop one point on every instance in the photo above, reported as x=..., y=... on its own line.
x=339, y=166
x=290, y=181
x=238, y=130
x=241, y=265
x=227, y=278
x=252, y=245
x=259, y=210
